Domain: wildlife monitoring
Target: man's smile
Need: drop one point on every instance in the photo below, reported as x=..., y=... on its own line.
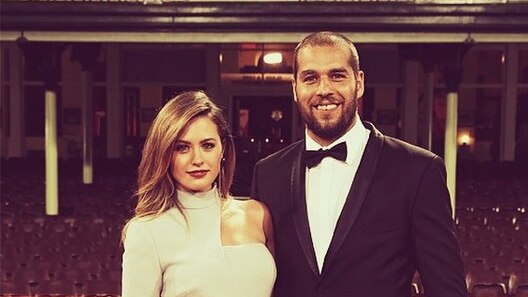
x=326, y=106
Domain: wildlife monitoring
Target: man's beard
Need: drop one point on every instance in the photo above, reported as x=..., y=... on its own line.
x=330, y=131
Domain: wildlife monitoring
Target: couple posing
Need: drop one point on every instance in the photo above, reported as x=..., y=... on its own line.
x=346, y=211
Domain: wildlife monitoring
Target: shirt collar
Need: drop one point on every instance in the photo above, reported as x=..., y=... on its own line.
x=352, y=137
x=198, y=200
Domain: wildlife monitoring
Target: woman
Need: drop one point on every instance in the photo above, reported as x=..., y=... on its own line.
x=188, y=237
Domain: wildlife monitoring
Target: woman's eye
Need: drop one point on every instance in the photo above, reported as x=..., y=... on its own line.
x=208, y=146
x=181, y=148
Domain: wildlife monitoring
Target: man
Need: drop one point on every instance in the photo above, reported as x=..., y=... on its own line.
x=355, y=212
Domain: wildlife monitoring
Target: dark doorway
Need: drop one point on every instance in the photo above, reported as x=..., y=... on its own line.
x=261, y=126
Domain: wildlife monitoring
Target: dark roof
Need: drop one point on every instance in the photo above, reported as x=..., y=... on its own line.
x=265, y=16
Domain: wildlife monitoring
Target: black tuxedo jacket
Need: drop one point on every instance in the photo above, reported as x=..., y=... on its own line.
x=396, y=219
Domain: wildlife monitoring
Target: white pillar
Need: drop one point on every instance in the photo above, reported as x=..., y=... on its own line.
x=16, y=144
x=428, y=110
x=52, y=185
x=410, y=101
x=114, y=105
x=212, y=73
x=296, y=123
x=450, y=153
x=3, y=139
x=87, y=125
x=509, y=104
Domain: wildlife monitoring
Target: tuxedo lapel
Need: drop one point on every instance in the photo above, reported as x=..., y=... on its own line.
x=356, y=195
x=302, y=226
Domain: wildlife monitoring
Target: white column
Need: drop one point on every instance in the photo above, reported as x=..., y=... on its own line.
x=428, y=110
x=114, y=105
x=3, y=139
x=410, y=101
x=212, y=73
x=297, y=126
x=450, y=153
x=50, y=135
x=16, y=144
x=87, y=125
x=509, y=103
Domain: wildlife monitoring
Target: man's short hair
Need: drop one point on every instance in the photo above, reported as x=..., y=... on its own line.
x=327, y=39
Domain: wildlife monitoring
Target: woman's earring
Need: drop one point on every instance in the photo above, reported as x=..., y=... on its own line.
x=220, y=178
x=221, y=175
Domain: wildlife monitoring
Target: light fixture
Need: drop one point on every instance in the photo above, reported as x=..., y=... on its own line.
x=465, y=137
x=273, y=58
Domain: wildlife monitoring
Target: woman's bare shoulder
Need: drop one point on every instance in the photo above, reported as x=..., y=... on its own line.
x=246, y=205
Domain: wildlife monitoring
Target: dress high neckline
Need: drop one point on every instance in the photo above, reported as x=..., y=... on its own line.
x=199, y=199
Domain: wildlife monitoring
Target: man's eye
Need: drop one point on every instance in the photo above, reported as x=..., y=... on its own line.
x=309, y=79
x=338, y=76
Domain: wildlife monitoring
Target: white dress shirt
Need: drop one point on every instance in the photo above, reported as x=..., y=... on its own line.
x=328, y=184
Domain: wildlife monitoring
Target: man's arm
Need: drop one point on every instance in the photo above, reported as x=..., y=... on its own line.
x=433, y=234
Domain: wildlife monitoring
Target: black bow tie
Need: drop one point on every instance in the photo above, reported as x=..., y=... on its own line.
x=312, y=158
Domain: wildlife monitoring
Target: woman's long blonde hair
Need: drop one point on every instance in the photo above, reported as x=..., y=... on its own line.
x=156, y=192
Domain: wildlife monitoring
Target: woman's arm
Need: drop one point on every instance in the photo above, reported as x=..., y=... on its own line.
x=142, y=274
